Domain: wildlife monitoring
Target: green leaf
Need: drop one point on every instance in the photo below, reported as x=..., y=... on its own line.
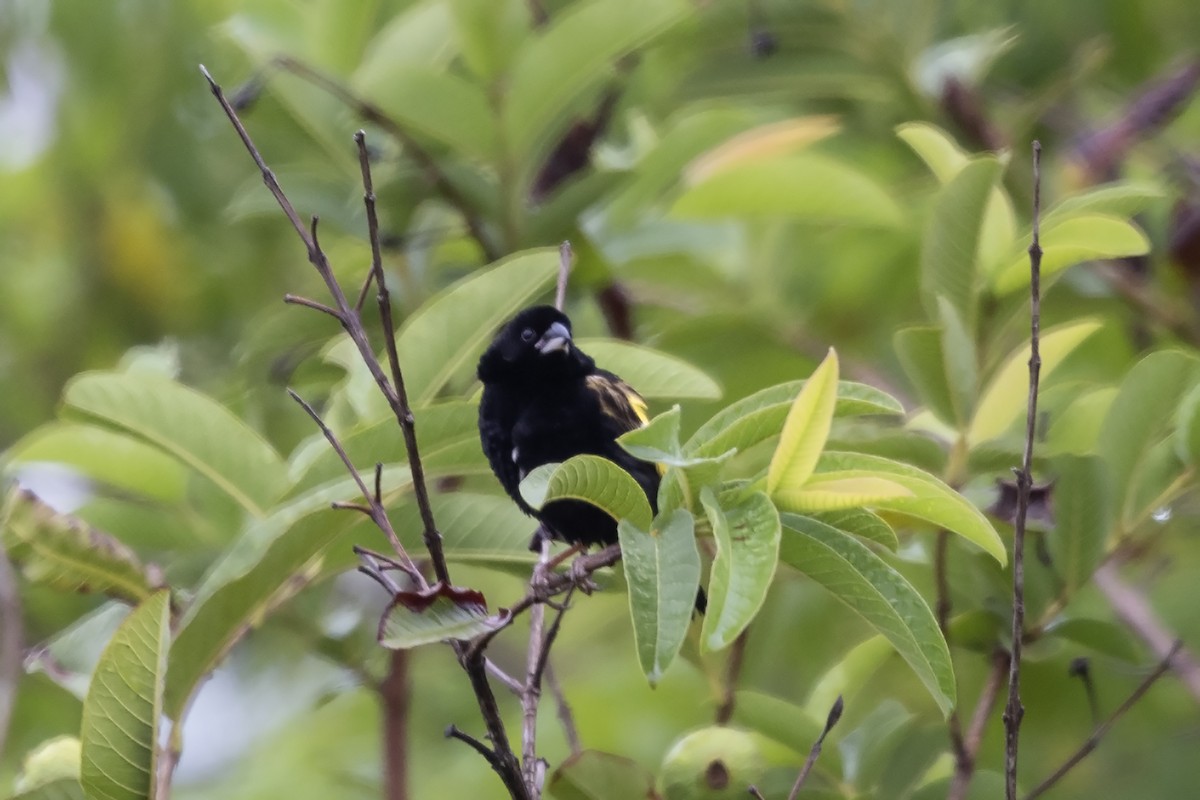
x=746, y=529
x=1082, y=519
x=435, y=103
x=657, y=440
x=650, y=372
x=786, y=723
x=958, y=361
x=489, y=33
x=574, y=54
x=662, y=568
x=119, y=732
x=1004, y=398
x=932, y=501
x=418, y=36
x=807, y=186
x=69, y=657
x=62, y=789
x=1122, y=199
x=805, y=429
x=1187, y=428
x=848, y=675
x=877, y=593
x=1077, y=429
x=1071, y=241
x=64, y=552
x=592, y=775
x=946, y=159
x=452, y=329
x=861, y=523
x=761, y=142
x=106, y=456
x=921, y=354
x=1146, y=402
x=837, y=491
x=1101, y=636
x=193, y=428
x=949, y=251
x=760, y=416
x=435, y=615
x=594, y=480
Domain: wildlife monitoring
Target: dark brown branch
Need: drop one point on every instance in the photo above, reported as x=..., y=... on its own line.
x=428, y=164
x=12, y=643
x=835, y=714
x=964, y=768
x=733, y=672
x=402, y=410
x=395, y=694
x=1013, y=710
x=503, y=760
x=453, y=732
x=1103, y=728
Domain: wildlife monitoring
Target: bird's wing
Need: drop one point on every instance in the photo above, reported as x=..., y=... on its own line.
x=618, y=401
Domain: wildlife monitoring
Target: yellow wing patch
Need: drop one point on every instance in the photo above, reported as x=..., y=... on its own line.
x=621, y=401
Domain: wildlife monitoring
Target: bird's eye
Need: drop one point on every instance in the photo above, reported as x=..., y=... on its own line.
x=527, y=335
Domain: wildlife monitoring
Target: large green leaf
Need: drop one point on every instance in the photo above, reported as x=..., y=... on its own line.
x=193, y=428
x=863, y=524
x=808, y=187
x=106, y=456
x=64, y=552
x=650, y=372
x=879, y=594
x=437, y=104
x=1083, y=504
x=949, y=251
x=451, y=330
x=805, y=430
x=838, y=491
x=489, y=33
x=119, y=732
x=1071, y=241
x=419, y=36
x=1005, y=396
x=1187, y=428
x=594, y=480
x=662, y=568
x=1146, y=403
x=760, y=416
x=932, y=500
x=746, y=529
x=958, y=361
x=1077, y=429
x=946, y=159
x=849, y=674
x=574, y=54
x=1122, y=199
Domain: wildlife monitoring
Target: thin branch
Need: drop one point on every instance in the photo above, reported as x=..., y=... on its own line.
x=964, y=768
x=565, y=717
x=552, y=635
x=565, y=257
x=1013, y=710
x=395, y=694
x=373, y=114
x=1103, y=728
x=1135, y=611
x=835, y=714
x=453, y=732
x=531, y=695
x=297, y=300
x=373, y=509
x=12, y=643
x=403, y=412
x=733, y=671
x=514, y=685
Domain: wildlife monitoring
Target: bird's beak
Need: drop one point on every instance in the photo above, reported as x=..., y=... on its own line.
x=556, y=338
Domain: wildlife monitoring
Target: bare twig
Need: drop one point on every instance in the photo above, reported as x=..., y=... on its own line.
x=1103, y=728
x=835, y=714
x=964, y=768
x=513, y=685
x=733, y=672
x=12, y=642
x=501, y=757
x=565, y=717
x=565, y=257
x=453, y=732
x=532, y=694
x=1134, y=609
x=297, y=300
x=395, y=694
x=1013, y=710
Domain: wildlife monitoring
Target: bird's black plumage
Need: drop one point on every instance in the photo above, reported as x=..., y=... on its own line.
x=545, y=401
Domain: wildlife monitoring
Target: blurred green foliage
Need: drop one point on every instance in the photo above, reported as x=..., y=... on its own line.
x=136, y=238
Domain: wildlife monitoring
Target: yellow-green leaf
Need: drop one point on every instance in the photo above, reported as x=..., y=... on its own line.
x=836, y=491
x=1074, y=240
x=806, y=429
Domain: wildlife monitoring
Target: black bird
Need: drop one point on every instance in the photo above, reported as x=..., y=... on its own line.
x=544, y=401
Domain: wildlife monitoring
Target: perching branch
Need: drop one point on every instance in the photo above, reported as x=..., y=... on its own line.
x=500, y=757
x=1103, y=728
x=1013, y=710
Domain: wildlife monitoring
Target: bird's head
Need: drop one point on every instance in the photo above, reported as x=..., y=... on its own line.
x=534, y=344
